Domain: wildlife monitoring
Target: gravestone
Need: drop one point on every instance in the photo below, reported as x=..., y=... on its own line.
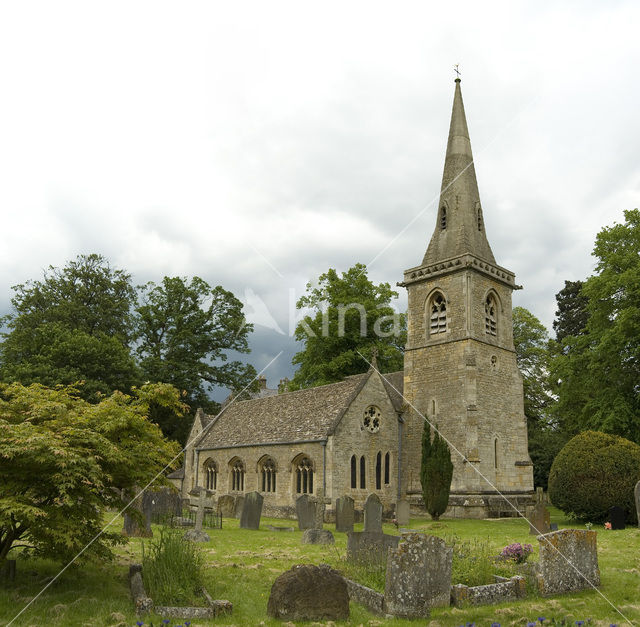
x=345, y=514
x=553, y=527
x=637, y=495
x=251, y=511
x=227, y=506
x=201, y=500
x=369, y=547
x=568, y=561
x=308, y=592
x=317, y=536
x=162, y=504
x=320, y=504
x=418, y=576
x=137, y=526
x=539, y=519
x=373, y=514
x=238, y=506
x=617, y=517
x=402, y=513
x=306, y=512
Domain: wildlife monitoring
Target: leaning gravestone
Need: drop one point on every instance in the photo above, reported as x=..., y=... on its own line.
x=568, y=561
x=345, y=514
x=306, y=512
x=201, y=501
x=251, y=511
x=369, y=547
x=132, y=523
x=226, y=506
x=308, y=592
x=402, y=513
x=418, y=576
x=238, y=506
x=637, y=495
x=373, y=514
x=617, y=517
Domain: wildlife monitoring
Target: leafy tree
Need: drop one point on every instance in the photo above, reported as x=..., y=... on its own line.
x=598, y=372
x=571, y=315
x=64, y=460
x=74, y=325
x=351, y=315
x=186, y=330
x=436, y=472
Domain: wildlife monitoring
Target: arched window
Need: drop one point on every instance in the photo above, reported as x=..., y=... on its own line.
x=354, y=480
x=304, y=476
x=237, y=476
x=491, y=315
x=363, y=474
x=437, y=314
x=379, y=471
x=387, y=462
x=211, y=474
x=443, y=218
x=268, y=475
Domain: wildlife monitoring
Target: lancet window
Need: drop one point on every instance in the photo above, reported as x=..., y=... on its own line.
x=237, y=476
x=437, y=314
x=211, y=474
x=304, y=476
x=268, y=475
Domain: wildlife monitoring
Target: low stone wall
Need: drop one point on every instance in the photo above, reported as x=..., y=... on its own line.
x=505, y=590
x=372, y=600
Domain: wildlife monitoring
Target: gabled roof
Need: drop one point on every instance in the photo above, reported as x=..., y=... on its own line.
x=176, y=474
x=300, y=416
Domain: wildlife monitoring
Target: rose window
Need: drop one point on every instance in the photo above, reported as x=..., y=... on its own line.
x=371, y=420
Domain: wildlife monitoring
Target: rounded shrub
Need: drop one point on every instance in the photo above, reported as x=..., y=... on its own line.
x=593, y=472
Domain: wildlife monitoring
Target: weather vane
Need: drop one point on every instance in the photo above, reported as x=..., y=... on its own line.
x=456, y=70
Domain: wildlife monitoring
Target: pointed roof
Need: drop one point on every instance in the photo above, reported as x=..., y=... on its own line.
x=459, y=225
x=310, y=414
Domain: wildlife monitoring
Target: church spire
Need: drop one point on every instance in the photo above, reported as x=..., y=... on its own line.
x=460, y=225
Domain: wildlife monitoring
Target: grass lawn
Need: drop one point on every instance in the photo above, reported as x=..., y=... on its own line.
x=241, y=566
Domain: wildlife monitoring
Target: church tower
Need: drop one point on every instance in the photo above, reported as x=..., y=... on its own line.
x=460, y=367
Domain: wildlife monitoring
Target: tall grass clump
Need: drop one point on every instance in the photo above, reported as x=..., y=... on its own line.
x=172, y=568
x=474, y=563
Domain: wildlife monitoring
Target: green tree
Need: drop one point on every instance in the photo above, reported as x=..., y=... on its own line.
x=436, y=472
x=598, y=372
x=572, y=314
x=186, y=330
x=74, y=325
x=63, y=461
x=351, y=316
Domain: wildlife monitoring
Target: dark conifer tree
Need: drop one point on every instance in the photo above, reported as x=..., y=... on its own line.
x=436, y=472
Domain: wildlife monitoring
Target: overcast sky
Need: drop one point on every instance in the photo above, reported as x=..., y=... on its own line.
x=257, y=144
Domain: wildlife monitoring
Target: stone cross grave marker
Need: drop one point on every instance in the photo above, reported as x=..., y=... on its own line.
x=373, y=514
x=617, y=517
x=418, y=576
x=251, y=511
x=201, y=501
x=637, y=495
x=402, y=513
x=345, y=514
x=305, y=511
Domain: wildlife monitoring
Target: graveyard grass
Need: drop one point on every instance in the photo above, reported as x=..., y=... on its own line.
x=241, y=565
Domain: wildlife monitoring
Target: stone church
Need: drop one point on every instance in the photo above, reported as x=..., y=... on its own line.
x=363, y=434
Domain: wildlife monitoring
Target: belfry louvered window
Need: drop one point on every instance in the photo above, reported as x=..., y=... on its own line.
x=490, y=316
x=437, y=314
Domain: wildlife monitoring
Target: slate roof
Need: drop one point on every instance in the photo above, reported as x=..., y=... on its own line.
x=299, y=416
x=176, y=474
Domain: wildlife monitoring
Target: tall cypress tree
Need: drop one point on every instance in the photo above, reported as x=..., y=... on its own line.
x=436, y=472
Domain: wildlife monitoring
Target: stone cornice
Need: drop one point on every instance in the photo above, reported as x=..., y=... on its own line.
x=455, y=264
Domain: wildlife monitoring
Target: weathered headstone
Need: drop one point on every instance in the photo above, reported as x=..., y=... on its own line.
x=418, y=576
x=402, y=513
x=201, y=500
x=306, y=512
x=308, y=592
x=162, y=504
x=344, y=514
x=373, y=514
x=251, y=511
x=568, y=561
x=238, y=507
x=320, y=504
x=539, y=519
x=369, y=547
x=137, y=526
x=227, y=506
x=317, y=536
x=637, y=495
x=617, y=517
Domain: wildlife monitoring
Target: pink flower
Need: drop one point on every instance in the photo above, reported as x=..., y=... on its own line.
x=607, y=525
